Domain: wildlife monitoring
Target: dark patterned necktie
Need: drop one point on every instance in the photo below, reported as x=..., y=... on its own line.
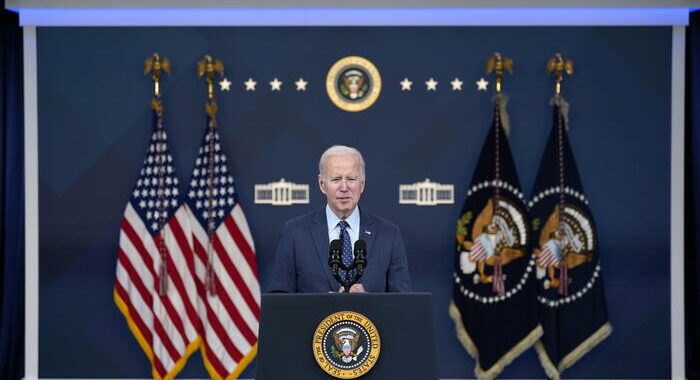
x=347, y=246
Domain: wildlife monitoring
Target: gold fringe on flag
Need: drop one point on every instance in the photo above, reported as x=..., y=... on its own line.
x=506, y=359
x=554, y=372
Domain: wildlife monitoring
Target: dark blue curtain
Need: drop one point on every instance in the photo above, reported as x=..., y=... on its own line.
x=12, y=192
x=692, y=190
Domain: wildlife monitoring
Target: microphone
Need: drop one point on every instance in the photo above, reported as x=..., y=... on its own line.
x=334, y=256
x=360, y=257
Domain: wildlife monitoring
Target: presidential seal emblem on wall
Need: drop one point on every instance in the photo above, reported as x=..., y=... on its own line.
x=346, y=345
x=353, y=84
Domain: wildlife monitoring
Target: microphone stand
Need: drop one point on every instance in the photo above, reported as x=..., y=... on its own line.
x=358, y=265
x=347, y=281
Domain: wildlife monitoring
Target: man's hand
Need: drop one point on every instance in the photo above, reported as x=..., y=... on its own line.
x=355, y=288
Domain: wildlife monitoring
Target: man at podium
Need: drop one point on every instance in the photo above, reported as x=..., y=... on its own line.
x=302, y=255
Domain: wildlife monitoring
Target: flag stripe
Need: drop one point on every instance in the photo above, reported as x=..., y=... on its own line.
x=143, y=334
x=214, y=361
x=228, y=311
x=135, y=315
x=175, y=353
x=147, y=259
x=240, y=221
x=252, y=307
x=212, y=336
x=226, y=341
x=236, y=317
x=138, y=244
x=160, y=351
x=138, y=309
x=240, y=256
x=235, y=276
x=211, y=339
x=157, y=327
x=250, y=315
x=134, y=279
x=217, y=349
x=182, y=264
x=175, y=300
x=147, y=256
x=241, y=243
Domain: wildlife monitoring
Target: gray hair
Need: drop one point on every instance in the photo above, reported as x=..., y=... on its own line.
x=341, y=150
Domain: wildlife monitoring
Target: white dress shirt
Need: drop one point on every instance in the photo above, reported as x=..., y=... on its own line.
x=353, y=225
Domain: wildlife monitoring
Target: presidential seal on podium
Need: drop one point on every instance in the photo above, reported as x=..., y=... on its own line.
x=346, y=345
x=353, y=84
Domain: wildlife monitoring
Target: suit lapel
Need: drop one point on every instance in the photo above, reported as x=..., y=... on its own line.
x=319, y=234
x=368, y=232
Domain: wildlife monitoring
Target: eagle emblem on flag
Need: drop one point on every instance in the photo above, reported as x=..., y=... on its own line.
x=567, y=237
x=499, y=234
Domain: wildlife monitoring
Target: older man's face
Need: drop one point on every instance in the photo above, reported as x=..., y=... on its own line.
x=342, y=183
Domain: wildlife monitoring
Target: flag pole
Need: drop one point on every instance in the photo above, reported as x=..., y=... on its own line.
x=497, y=63
x=209, y=67
x=157, y=65
x=560, y=66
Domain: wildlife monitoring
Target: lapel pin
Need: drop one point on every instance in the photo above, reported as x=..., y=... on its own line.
x=368, y=232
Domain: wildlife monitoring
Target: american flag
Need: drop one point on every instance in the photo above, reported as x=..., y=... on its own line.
x=155, y=288
x=227, y=275
x=550, y=255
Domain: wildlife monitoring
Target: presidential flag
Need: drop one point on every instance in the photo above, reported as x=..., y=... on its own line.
x=571, y=298
x=227, y=275
x=154, y=288
x=493, y=306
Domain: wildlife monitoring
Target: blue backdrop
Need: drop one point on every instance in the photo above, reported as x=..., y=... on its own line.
x=94, y=123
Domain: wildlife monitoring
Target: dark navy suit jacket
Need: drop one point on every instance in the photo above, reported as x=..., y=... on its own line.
x=301, y=259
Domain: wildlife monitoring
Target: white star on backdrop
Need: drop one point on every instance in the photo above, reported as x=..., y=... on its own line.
x=406, y=84
x=225, y=85
x=482, y=84
x=276, y=85
x=250, y=84
x=456, y=84
x=301, y=84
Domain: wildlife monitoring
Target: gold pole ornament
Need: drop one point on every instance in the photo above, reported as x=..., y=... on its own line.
x=210, y=67
x=559, y=65
x=154, y=63
x=497, y=63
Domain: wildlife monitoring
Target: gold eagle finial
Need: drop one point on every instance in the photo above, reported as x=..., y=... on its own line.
x=210, y=67
x=559, y=65
x=496, y=64
x=154, y=63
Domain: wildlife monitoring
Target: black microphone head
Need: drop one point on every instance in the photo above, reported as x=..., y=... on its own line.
x=360, y=252
x=336, y=247
x=334, y=254
x=360, y=261
x=360, y=247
